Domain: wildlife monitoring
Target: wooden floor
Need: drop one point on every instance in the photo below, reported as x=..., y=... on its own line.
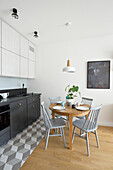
x=56, y=157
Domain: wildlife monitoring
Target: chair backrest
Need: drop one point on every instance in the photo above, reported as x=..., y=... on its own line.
x=54, y=99
x=46, y=116
x=91, y=121
x=87, y=101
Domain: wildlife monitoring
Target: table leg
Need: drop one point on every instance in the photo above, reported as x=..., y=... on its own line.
x=70, y=131
x=53, y=115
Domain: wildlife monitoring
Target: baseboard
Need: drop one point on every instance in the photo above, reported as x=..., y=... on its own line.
x=110, y=124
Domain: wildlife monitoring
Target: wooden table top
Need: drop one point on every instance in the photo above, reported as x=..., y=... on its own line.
x=69, y=111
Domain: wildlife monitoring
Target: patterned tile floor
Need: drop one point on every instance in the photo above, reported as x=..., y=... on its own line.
x=17, y=150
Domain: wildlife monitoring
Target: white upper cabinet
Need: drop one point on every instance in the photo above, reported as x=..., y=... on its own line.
x=31, y=69
x=31, y=52
x=24, y=63
x=0, y=33
x=10, y=38
x=17, y=54
x=0, y=62
x=10, y=64
x=24, y=47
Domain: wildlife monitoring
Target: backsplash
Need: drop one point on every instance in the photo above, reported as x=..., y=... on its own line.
x=15, y=92
x=11, y=83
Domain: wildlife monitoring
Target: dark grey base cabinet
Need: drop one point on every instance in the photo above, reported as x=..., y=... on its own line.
x=23, y=113
x=33, y=109
x=18, y=116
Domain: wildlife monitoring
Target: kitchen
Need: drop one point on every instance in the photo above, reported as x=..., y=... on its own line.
x=35, y=46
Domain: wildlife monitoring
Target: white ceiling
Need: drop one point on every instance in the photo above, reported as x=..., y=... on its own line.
x=89, y=18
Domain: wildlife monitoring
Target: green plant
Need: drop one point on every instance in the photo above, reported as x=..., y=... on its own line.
x=72, y=91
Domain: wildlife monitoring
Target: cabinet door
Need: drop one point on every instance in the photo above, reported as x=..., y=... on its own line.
x=38, y=107
x=31, y=52
x=31, y=69
x=24, y=47
x=10, y=38
x=0, y=62
x=10, y=64
x=18, y=116
x=24, y=67
x=0, y=33
x=32, y=113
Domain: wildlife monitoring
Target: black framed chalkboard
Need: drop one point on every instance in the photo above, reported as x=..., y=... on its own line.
x=98, y=74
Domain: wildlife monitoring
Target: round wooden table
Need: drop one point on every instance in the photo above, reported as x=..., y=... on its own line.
x=68, y=111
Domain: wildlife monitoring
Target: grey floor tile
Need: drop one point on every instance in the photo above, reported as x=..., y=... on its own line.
x=20, y=135
x=13, y=141
x=8, y=156
x=25, y=139
x=30, y=134
x=14, y=164
x=18, y=146
x=24, y=153
x=5, y=148
x=29, y=145
x=2, y=164
x=36, y=138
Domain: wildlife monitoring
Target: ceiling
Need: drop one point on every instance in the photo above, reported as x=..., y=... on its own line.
x=89, y=18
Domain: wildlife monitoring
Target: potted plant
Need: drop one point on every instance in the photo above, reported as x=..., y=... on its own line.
x=72, y=92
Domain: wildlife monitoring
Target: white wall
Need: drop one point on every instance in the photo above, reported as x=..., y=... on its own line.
x=10, y=83
x=51, y=81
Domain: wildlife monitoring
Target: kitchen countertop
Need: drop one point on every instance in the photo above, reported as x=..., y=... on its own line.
x=16, y=98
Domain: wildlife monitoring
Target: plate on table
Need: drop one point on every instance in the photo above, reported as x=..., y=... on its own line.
x=59, y=102
x=82, y=108
x=58, y=107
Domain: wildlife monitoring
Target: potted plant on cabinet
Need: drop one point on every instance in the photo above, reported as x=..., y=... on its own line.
x=72, y=92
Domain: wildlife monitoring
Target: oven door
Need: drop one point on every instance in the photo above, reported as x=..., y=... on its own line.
x=4, y=117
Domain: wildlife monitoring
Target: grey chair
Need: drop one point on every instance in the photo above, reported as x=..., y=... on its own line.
x=87, y=101
x=88, y=125
x=52, y=124
x=54, y=100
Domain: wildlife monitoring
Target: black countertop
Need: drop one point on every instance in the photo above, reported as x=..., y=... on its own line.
x=16, y=98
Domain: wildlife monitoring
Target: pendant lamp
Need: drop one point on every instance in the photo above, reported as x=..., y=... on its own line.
x=69, y=68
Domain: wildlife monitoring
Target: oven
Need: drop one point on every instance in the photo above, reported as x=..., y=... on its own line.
x=4, y=124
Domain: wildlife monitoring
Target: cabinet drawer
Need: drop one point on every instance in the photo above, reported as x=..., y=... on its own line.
x=18, y=104
x=32, y=99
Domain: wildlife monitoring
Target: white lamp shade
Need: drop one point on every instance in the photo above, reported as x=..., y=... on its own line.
x=69, y=69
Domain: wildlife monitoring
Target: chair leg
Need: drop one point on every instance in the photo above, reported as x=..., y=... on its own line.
x=46, y=134
x=87, y=140
x=68, y=121
x=62, y=130
x=96, y=138
x=47, y=139
x=73, y=134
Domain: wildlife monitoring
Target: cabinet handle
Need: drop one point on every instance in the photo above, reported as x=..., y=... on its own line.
x=33, y=106
x=33, y=100
x=20, y=104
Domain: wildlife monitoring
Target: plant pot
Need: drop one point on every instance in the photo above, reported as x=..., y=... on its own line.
x=69, y=102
